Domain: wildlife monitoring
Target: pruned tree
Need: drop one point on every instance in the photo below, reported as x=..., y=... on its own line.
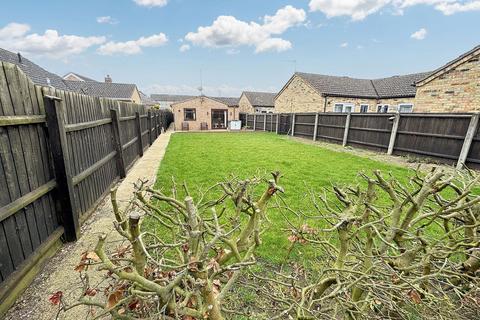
x=388, y=250
x=185, y=262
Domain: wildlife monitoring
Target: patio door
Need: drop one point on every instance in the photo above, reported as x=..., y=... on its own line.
x=219, y=119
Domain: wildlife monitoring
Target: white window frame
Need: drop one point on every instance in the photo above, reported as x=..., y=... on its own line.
x=343, y=104
x=383, y=106
x=405, y=104
x=364, y=104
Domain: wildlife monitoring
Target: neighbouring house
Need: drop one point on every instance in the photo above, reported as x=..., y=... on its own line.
x=147, y=101
x=454, y=87
x=37, y=74
x=73, y=81
x=166, y=100
x=71, y=76
x=259, y=102
x=204, y=113
x=308, y=92
x=127, y=92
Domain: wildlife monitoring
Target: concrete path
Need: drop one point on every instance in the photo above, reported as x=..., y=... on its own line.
x=59, y=274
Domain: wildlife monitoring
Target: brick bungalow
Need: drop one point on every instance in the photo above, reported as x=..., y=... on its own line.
x=204, y=113
x=455, y=87
x=127, y=92
x=259, y=102
x=308, y=92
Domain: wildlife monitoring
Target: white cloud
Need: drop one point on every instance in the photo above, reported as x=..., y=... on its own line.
x=184, y=47
x=452, y=8
x=219, y=90
x=356, y=9
x=228, y=31
x=15, y=37
x=360, y=9
x=106, y=20
x=344, y=45
x=419, y=34
x=14, y=30
x=132, y=46
x=151, y=3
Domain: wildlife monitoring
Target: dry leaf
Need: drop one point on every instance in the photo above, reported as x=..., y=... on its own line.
x=415, y=296
x=56, y=298
x=114, y=297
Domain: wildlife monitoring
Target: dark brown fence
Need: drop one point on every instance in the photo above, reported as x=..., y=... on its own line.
x=60, y=152
x=448, y=138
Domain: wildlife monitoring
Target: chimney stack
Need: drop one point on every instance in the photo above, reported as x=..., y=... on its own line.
x=19, y=57
x=108, y=79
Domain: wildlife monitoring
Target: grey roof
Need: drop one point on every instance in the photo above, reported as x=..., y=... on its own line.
x=121, y=91
x=391, y=87
x=80, y=76
x=146, y=100
x=340, y=86
x=398, y=86
x=37, y=74
x=229, y=101
x=260, y=99
x=170, y=97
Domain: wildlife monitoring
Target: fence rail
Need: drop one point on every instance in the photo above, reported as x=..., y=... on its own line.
x=445, y=137
x=60, y=152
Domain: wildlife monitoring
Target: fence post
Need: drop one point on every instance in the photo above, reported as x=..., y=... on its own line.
x=393, y=135
x=149, y=117
x=271, y=123
x=293, y=124
x=347, y=128
x=315, y=129
x=472, y=129
x=157, y=124
x=265, y=122
x=277, y=119
x=68, y=215
x=254, y=121
x=139, y=133
x=117, y=143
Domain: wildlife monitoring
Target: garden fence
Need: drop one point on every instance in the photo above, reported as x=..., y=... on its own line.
x=60, y=153
x=446, y=137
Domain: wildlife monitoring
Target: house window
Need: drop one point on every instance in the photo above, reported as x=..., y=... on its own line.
x=343, y=107
x=189, y=114
x=382, y=108
x=405, y=108
x=364, y=108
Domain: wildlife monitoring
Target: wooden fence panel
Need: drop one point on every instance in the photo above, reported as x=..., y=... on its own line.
x=370, y=130
x=243, y=118
x=31, y=220
x=24, y=169
x=249, y=120
x=304, y=125
x=128, y=133
x=438, y=136
x=473, y=159
x=331, y=127
x=285, y=123
x=259, y=122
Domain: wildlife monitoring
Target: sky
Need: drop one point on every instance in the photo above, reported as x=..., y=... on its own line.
x=228, y=46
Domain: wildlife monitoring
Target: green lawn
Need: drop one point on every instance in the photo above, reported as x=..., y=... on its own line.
x=202, y=159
